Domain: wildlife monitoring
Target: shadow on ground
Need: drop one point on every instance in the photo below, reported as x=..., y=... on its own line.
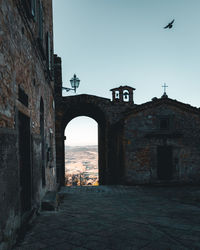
x=119, y=217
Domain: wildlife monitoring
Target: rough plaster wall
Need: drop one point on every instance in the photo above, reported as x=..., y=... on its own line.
x=140, y=151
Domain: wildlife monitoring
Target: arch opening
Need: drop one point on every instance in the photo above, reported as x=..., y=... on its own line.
x=81, y=152
x=73, y=107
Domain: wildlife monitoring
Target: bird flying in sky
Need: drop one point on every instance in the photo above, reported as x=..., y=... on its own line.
x=169, y=25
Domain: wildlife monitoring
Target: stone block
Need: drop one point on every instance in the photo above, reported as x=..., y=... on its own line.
x=50, y=201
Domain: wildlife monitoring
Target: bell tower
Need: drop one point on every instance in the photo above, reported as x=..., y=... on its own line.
x=123, y=94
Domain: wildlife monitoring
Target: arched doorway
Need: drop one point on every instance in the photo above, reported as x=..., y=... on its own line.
x=110, y=126
x=81, y=152
x=65, y=115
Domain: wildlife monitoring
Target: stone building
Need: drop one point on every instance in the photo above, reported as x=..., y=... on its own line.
x=151, y=143
x=161, y=143
x=27, y=130
x=154, y=142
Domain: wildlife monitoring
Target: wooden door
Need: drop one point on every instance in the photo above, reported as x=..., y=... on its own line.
x=164, y=163
x=25, y=162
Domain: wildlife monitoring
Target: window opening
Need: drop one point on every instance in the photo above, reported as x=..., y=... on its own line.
x=22, y=96
x=164, y=123
x=126, y=96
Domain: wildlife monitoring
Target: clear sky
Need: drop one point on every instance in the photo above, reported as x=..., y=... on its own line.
x=81, y=131
x=109, y=43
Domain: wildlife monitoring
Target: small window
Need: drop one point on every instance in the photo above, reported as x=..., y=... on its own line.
x=117, y=94
x=22, y=96
x=164, y=123
x=27, y=6
x=33, y=7
x=126, y=96
x=40, y=21
x=48, y=51
x=30, y=7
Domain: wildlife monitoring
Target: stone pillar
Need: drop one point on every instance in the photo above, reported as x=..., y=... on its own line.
x=131, y=97
x=102, y=154
x=121, y=97
x=113, y=96
x=60, y=168
x=58, y=76
x=112, y=157
x=115, y=155
x=60, y=161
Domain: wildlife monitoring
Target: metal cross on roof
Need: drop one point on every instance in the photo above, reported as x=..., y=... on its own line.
x=165, y=86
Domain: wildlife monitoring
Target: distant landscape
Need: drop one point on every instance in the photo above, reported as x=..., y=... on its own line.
x=81, y=165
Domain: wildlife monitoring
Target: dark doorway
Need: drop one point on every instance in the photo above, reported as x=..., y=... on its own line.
x=164, y=162
x=25, y=162
x=42, y=141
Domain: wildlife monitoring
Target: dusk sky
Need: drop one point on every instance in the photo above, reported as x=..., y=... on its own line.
x=109, y=43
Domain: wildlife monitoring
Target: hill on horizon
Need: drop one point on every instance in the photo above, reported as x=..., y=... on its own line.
x=82, y=148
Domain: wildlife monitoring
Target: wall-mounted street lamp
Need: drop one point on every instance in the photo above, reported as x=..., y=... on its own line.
x=74, y=83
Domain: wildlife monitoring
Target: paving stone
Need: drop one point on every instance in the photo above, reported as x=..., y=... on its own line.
x=115, y=218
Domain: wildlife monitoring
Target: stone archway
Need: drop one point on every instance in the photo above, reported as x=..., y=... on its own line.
x=109, y=117
x=70, y=108
x=108, y=114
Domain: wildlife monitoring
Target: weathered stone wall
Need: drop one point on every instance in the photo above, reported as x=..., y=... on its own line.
x=9, y=191
x=106, y=113
x=130, y=138
x=25, y=61
x=142, y=136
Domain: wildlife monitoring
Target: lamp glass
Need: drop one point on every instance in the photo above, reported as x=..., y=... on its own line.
x=72, y=81
x=75, y=82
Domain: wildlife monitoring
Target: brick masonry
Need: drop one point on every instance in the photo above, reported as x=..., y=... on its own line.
x=129, y=134
x=26, y=65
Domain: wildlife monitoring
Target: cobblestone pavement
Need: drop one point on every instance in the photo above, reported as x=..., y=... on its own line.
x=119, y=217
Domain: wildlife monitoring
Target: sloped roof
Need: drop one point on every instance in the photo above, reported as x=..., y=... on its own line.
x=164, y=100
x=122, y=87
